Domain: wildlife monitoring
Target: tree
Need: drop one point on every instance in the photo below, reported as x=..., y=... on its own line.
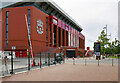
x=115, y=47
x=104, y=41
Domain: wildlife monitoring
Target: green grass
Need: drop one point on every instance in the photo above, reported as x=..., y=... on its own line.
x=114, y=57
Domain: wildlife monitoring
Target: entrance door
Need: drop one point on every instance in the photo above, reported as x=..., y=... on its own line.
x=70, y=53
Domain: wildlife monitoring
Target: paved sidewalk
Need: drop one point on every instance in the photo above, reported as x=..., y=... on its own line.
x=69, y=72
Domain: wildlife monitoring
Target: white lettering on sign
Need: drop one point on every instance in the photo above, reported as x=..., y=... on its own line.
x=40, y=27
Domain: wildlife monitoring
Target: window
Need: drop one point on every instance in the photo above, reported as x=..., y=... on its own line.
x=50, y=36
x=77, y=41
x=74, y=40
x=69, y=39
x=46, y=28
x=7, y=42
x=7, y=26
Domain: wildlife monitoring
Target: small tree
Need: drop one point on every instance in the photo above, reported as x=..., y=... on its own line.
x=104, y=41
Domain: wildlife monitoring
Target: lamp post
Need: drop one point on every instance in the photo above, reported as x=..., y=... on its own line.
x=110, y=37
x=105, y=27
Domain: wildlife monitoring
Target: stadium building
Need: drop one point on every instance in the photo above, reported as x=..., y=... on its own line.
x=40, y=27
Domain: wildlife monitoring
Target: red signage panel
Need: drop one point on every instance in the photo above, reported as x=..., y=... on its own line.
x=59, y=23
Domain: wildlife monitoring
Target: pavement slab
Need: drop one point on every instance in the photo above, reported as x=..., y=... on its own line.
x=69, y=72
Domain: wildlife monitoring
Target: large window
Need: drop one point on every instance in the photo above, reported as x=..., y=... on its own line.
x=7, y=27
x=74, y=40
x=50, y=36
x=46, y=28
x=59, y=32
x=69, y=39
x=77, y=41
x=54, y=35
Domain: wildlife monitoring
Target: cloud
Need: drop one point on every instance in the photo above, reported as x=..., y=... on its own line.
x=92, y=15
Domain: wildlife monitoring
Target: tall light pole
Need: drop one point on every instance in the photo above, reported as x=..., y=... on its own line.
x=105, y=27
x=110, y=37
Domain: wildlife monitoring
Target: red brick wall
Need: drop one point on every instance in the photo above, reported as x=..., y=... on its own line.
x=18, y=34
x=1, y=30
x=38, y=40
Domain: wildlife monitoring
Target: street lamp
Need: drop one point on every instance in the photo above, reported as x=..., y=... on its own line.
x=105, y=27
x=110, y=37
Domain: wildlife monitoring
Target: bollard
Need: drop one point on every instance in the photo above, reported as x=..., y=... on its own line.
x=45, y=59
x=85, y=62
x=112, y=63
x=11, y=62
x=73, y=61
x=28, y=54
x=40, y=60
x=48, y=59
x=98, y=61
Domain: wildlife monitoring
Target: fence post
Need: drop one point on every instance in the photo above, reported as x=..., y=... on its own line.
x=11, y=62
x=98, y=61
x=28, y=54
x=55, y=58
x=112, y=62
x=85, y=62
x=48, y=59
x=45, y=59
x=40, y=60
x=73, y=61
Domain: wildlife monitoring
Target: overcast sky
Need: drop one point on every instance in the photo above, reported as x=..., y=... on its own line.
x=92, y=15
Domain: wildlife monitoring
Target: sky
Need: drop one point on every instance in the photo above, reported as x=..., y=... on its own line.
x=92, y=15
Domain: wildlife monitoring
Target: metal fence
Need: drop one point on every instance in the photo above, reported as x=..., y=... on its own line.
x=92, y=60
x=10, y=64
x=13, y=64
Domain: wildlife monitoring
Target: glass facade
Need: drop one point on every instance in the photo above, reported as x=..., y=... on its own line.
x=69, y=39
x=54, y=36
x=46, y=28
x=74, y=40
x=7, y=27
x=50, y=36
x=77, y=41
